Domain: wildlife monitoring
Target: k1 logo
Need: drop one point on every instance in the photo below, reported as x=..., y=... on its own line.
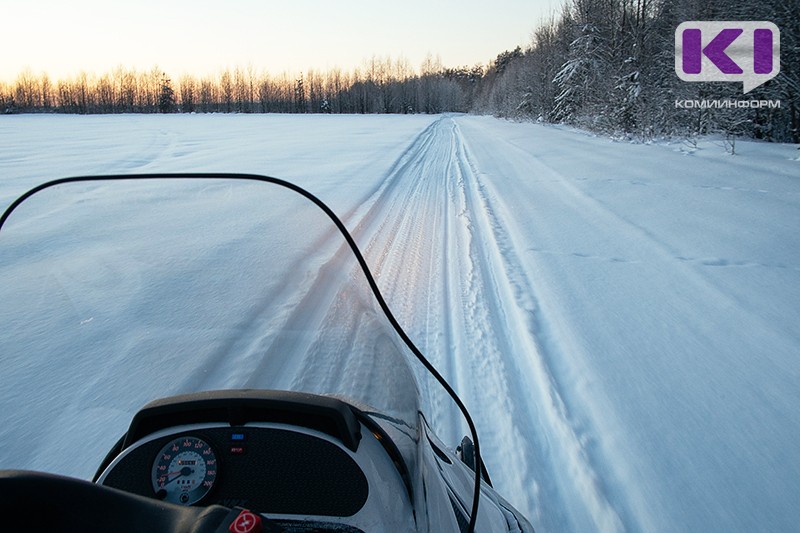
x=746, y=51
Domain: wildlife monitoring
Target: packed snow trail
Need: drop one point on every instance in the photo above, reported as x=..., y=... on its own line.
x=452, y=254
x=621, y=319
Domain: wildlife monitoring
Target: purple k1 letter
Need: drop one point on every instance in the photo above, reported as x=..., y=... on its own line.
x=762, y=51
x=744, y=51
x=715, y=51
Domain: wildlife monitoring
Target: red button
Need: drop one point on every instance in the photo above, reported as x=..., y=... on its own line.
x=246, y=522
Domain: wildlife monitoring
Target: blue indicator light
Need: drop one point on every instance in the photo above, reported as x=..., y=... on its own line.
x=237, y=436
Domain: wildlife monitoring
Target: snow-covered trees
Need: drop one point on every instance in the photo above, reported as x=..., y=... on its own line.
x=608, y=65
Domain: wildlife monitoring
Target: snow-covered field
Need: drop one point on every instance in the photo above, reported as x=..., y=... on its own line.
x=623, y=320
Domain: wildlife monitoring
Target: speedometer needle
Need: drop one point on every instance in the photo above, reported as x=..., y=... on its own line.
x=185, y=471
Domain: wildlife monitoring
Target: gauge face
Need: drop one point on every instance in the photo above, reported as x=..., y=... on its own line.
x=184, y=471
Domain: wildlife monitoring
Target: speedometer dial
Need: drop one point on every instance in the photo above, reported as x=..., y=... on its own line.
x=184, y=471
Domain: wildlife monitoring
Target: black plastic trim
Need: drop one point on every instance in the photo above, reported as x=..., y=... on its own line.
x=238, y=407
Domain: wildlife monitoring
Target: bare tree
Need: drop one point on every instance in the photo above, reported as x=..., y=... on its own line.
x=26, y=91
x=187, y=87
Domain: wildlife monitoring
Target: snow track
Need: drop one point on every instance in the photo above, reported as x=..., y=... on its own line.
x=436, y=238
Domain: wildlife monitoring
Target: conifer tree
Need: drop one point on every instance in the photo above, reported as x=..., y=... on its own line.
x=166, y=100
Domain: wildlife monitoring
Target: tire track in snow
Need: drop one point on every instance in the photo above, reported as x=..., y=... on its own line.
x=445, y=265
x=560, y=466
x=401, y=234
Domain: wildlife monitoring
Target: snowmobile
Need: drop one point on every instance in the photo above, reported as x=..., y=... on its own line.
x=279, y=391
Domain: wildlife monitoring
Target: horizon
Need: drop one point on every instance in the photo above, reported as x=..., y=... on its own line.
x=65, y=40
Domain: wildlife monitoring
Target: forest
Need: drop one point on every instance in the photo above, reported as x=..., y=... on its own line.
x=602, y=65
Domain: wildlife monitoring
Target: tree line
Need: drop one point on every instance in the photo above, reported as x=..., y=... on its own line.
x=602, y=65
x=381, y=85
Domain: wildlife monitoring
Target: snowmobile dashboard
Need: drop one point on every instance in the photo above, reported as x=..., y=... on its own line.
x=292, y=456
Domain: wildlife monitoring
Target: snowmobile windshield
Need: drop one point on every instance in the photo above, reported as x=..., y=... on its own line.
x=116, y=293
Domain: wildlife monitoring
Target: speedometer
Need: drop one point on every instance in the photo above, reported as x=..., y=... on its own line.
x=184, y=471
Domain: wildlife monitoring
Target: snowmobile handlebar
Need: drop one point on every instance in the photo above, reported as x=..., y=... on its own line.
x=35, y=501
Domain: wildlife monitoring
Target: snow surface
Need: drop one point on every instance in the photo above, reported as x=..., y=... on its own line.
x=622, y=320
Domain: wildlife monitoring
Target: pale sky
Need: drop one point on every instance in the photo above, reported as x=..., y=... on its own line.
x=65, y=37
